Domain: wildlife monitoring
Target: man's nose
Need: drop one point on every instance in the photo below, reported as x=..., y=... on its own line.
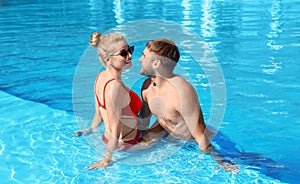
x=129, y=55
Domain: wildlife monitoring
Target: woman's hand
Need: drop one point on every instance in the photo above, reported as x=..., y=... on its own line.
x=83, y=132
x=100, y=164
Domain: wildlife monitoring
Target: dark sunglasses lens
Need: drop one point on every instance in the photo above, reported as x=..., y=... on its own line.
x=131, y=49
x=123, y=53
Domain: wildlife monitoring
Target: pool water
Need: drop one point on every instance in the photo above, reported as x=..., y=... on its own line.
x=44, y=52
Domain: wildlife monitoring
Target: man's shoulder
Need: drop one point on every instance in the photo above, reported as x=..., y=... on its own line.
x=181, y=82
x=183, y=86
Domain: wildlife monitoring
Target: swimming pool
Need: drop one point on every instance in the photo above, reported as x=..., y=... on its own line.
x=44, y=43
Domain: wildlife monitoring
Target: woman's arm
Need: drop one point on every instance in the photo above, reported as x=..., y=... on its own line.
x=115, y=98
x=97, y=120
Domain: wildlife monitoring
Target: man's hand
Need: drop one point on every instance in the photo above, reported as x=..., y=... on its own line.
x=228, y=166
x=147, y=142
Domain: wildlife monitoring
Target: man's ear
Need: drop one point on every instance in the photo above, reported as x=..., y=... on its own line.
x=156, y=63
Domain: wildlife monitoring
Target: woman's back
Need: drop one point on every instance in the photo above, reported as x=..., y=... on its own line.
x=112, y=93
x=115, y=104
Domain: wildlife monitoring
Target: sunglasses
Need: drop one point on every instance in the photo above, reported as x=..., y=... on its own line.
x=124, y=53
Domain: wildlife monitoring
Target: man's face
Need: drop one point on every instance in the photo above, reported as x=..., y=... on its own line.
x=147, y=62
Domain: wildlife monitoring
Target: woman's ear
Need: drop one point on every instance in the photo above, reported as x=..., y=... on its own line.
x=107, y=61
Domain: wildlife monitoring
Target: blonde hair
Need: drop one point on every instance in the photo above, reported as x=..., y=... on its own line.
x=106, y=44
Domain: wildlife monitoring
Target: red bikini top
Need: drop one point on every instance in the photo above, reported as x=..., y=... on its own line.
x=134, y=106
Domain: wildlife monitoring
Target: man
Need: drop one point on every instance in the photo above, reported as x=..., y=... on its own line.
x=172, y=100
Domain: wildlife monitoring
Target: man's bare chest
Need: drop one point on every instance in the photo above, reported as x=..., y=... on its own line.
x=163, y=107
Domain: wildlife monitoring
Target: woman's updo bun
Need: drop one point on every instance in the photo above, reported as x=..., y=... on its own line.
x=95, y=38
x=107, y=44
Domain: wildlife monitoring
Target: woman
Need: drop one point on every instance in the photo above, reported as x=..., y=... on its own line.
x=116, y=105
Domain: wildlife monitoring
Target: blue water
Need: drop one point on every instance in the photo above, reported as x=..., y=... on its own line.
x=47, y=70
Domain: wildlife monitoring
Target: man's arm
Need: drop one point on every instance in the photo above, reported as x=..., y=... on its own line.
x=192, y=115
x=155, y=132
x=190, y=110
x=145, y=113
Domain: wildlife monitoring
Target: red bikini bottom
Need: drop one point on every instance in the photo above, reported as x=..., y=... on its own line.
x=126, y=145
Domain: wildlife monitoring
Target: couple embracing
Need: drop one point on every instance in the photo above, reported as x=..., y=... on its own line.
x=169, y=97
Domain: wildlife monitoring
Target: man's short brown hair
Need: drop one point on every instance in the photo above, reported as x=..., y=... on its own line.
x=165, y=48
